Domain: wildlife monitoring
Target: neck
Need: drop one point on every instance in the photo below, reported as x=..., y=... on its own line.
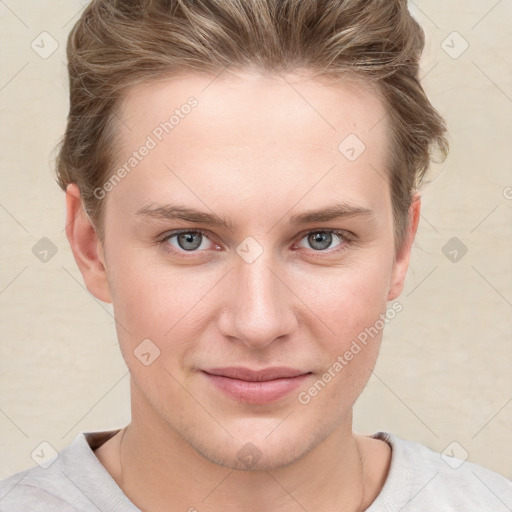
x=158, y=470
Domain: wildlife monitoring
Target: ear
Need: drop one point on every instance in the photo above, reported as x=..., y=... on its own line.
x=86, y=247
x=403, y=255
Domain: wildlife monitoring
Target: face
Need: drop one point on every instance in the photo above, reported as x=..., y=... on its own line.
x=253, y=280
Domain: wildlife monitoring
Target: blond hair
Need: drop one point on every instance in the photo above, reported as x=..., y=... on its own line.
x=119, y=43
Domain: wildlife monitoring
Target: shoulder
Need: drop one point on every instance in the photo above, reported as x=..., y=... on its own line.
x=74, y=481
x=36, y=489
x=421, y=479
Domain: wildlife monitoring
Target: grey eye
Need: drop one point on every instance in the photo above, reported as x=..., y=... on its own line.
x=189, y=241
x=321, y=240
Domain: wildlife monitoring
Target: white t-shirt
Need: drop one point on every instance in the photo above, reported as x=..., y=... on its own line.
x=419, y=480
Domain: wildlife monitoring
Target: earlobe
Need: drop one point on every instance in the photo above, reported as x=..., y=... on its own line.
x=403, y=255
x=86, y=247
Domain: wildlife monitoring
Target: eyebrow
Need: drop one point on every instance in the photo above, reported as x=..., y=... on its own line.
x=174, y=211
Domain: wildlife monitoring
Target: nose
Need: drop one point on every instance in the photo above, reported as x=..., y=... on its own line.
x=260, y=308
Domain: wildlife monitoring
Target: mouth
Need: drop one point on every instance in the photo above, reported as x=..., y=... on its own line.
x=256, y=386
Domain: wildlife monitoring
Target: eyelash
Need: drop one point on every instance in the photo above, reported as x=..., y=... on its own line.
x=346, y=240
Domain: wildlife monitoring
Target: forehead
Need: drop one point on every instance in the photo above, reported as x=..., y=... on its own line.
x=288, y=104
x=261, y=138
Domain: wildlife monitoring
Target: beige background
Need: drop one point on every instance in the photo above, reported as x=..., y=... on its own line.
x=444, y=372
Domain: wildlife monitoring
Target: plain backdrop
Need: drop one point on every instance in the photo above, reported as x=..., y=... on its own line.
x=444, y=374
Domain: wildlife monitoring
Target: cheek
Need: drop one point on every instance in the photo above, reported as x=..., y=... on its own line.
x=347, y=298
x=152, y=295
x=157, y=302
x=153, y=301
x=353, y=306
x=351, y=302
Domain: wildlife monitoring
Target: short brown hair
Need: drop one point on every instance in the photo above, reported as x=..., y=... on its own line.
x=119, y=43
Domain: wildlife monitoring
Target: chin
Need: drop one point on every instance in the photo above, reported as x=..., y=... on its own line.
x=250, y=457
x=257, y=450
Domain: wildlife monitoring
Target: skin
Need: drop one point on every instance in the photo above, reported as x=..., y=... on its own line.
x=255, y=152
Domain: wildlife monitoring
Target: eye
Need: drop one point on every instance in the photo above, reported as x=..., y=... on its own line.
x=188, y=241
x=322, y=240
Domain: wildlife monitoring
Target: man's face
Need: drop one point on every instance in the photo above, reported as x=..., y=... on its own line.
x=263, y=292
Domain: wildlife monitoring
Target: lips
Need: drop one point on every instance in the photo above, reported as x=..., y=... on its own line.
x=256, y=386
x=256, y=375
